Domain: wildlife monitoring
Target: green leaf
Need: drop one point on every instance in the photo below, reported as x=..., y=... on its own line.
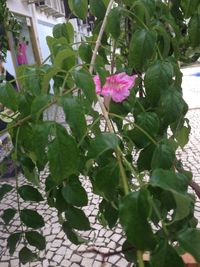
x=79, y=8
x=8, y=215
x=106, y=181
x=165, y=256
x=72, y=235
x=189, y=7
x=31, y=79
x=75, y=194
x=146, y=127
x=158, y=78
x=133, y=212
x=114, y=22
x=65, y=30
x=145, y=157
x=38, y=105
x=74, y=116
x=31, y=176
x=182, y=136
x=163, y=157
x=25, y=103
x=97, y=8
x=77, y=219
x=8, y=96
x=35, y=239
x=32, y=218
x=40, y=140
x=4, y=189
x=176, y=184
x=26, y=255
x=102, y=143
x=189, y=240
x=142, y=48
x=165, y=41
x=59, y=61
x=194, y=30
x=85, y=52
x=84, y=80
x=12, y=241
x=129, y=252
x=108, y=214
x=30, y=193
x=171, y=105
x=25, y=137
x=168, y=180
x=50, y=73
x=63, y=154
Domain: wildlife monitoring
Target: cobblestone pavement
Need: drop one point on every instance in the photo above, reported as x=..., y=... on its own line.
x=59, y=251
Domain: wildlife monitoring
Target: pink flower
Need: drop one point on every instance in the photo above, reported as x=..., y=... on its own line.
x=116, y=86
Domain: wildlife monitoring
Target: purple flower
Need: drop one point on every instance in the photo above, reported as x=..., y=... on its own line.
x=116, y=86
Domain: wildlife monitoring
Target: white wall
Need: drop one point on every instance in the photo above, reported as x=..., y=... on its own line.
x=9, y=64
x=191, y=86
x=44, y=29
x=19, y=7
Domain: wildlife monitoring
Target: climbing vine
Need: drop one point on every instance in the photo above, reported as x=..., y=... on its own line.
x=8, y=23
x=124, y=121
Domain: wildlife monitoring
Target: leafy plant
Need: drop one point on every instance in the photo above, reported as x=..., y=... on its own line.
x=135, y=69
x=7, y=23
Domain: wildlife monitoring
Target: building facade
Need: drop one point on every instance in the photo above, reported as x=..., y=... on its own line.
x=37, y=19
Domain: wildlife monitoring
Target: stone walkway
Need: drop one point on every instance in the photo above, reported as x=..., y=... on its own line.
x=59, y=251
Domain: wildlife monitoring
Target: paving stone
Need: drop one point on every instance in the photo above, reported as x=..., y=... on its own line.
x=107, y=264
x=5, y=258
x=50, y=238
x=14, y=263
x=112, y=245
x=104, y=250
x=61, y=235
x=49, y=254
x=4, y=264
x=122, y=263
x=114, y=258
x=65, y=263
x=108, y=233
x=54, y=249
x=47, y=231
x=102, y=232
x=75, y=265
x=116, y=237
x=73, y=247
x=56, y=230
x=58, y=258
x=45, y=263
x=57, y=243
x=97, y=264
x=76, y=258
x=68, y=254
x=87, y=262
x=61, y=251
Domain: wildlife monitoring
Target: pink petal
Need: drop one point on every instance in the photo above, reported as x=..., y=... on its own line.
x=117, y=86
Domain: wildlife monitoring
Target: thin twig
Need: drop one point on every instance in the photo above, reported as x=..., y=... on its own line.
x=101, y=104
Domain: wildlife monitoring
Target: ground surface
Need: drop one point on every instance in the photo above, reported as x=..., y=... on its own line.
x=59, y=251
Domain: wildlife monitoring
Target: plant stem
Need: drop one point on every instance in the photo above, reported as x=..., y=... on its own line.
x=16, y=177
x=123, y=174
x=88, y=129
x=137, y=126
x=29, y=117
x=140, y=258
x=102, y=106
x=98, y=42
